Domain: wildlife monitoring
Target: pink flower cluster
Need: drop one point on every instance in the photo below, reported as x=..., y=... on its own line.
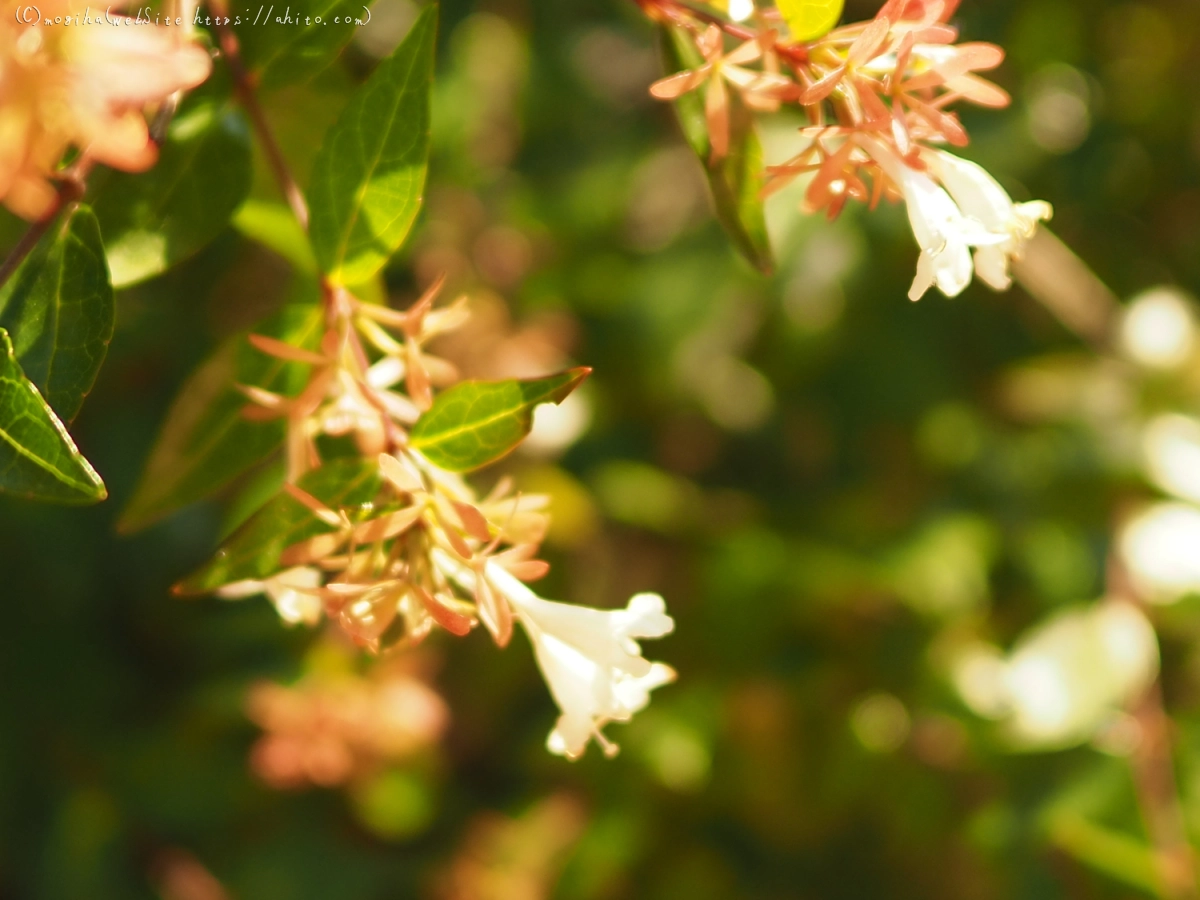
x=877, y=97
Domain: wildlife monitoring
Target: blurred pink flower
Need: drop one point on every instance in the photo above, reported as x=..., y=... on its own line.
x=86, y=83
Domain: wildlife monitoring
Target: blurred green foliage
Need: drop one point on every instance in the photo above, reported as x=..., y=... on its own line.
x=820, y=477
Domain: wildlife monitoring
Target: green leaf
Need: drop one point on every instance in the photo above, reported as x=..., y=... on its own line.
x=254, y=549
x=735, y=180
x=38, y=459
x=477, y=422
x=252, y=494
x=153, y=220
x=369, y=176
x=58, y=310
x=206, y=442
x=290, y=45
x=274, y=226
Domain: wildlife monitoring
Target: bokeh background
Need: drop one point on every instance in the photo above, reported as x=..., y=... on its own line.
x=835, y=489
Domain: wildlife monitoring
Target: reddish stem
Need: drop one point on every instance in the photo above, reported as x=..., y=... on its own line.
x=244, y=84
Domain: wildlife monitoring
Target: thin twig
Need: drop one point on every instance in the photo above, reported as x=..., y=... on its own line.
x=1066, y=286
x=1158, y=797
x=244, y=84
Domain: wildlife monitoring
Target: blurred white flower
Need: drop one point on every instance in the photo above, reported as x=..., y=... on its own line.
x=293, y=591
x=84, y=85
x=1067, y=679
x=1158, y=329
x=1171, y=446
x=1161, y=550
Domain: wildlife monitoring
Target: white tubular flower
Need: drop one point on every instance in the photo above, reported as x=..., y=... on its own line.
x=590, y=658
x=981, y=198
x=293, y=591
x=945, y=235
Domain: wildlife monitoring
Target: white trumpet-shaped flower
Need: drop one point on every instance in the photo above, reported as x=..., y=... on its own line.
x=943, y=232
x=292, y=591
x=590, y=658
x=944, y=235
x=981, y=198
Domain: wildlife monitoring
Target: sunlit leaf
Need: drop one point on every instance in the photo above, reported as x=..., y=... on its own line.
x=206, y=442
x=38, y=459
x=255, y=548
x=736, y=179
x=58, y=310
x=369, y=176
x=477, y=422
x=153, y=220
x=810, y=19
x=274, y=226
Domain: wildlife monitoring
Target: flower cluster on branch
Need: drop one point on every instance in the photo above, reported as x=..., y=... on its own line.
x=426, y=551
x=877, y=97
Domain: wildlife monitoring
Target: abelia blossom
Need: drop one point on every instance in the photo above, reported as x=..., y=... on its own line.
x=81, y=85
x=876, y=95
x=981, y=198
x=590, y=658
x=759, y=90
x=426, y=551
x=292, y=591
x=944, y=234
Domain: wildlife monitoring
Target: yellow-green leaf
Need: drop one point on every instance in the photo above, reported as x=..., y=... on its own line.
x=38, y=459
x=810, y=19
x=369, y=177
x=477, y=422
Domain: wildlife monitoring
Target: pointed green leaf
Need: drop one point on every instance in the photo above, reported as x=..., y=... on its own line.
x=274, y=226
x=297, y=40
x=153, y=220
x=254, y=550
x=58, y=310
x=370, y=173
x=38, y=459
x=736, y=180
x=477, y=422
x=206, y=442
